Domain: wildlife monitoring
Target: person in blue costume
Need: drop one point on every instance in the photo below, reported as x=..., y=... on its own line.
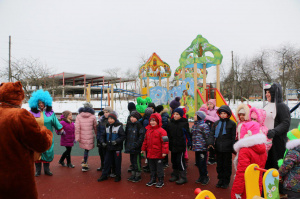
x=40, y=104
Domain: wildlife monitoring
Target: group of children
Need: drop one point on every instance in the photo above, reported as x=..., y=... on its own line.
x=155, y=134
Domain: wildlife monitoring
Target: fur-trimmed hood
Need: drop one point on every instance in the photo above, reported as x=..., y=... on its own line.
x=250, y=142
x=292, y=144
x=247, y=110
x=86, y=110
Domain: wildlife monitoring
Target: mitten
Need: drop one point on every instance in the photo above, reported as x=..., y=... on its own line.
x=271, y=134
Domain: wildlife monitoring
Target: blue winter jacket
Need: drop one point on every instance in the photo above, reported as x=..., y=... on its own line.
x=200, y=132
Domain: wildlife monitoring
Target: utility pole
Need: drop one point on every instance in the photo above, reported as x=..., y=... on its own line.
x=233, y=87
x=9, y=60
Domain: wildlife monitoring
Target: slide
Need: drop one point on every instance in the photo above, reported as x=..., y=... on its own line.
x=200, y=99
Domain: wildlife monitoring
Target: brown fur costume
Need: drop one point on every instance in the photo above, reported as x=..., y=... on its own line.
x=20, y=136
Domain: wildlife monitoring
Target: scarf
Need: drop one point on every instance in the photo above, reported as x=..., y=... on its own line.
x=220, y=124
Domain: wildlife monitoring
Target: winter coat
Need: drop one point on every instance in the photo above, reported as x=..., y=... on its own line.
x=85, y=124
x=281, y=127
x=251, y=150
x=223, y=143
x=165, y=118
x=290, y=169
x=135, y=133
x=101, y=129
x=156, y=140
x=240, y=123
x=145, y=120
x=178, y=132
x=114, y=132
x=200, y=132
x=261, y=117
x=68, y=138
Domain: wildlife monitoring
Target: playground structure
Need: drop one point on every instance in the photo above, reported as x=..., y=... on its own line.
x=252, y=173
x=193, y=64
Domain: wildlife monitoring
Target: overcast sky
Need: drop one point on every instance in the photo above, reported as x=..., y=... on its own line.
x=89, y=36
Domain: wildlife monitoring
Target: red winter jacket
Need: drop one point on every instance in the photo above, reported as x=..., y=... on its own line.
x=251, y=150
x=156, y=140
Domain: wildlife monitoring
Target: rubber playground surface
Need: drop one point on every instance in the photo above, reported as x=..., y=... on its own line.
x=73, y=183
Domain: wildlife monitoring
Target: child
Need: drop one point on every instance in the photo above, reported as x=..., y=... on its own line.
x=113, y=142
x=222, y=137
x=85, y=124
x=290, y=165
x=67, y=139
x=178, y=132
x=165, y=120
x=243, y=116
x=100, y=114
x=210, y=119
x=134, y=139
x=156, y=145
x=145, y=122
x=251, y=149
x=200, y=132
x=259, y=115
x=100, y=131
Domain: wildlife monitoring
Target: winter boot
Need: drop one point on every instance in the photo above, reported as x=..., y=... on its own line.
x=182, y=178
x=38, y=169
x=61, y=161
x=102, y=178
x=70, y=165
x=137, y=177
x=174, y=176
x=47, y=169
x=160, y=183
x=85, y=167
x=220, y=183
x=131, y=178
x=151, y=182
x=225, y=184
x=117, y=178
x=130, y=168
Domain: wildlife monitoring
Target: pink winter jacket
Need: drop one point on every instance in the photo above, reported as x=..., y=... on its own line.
x=260, y=116
x=84, y=125
x=211, y=115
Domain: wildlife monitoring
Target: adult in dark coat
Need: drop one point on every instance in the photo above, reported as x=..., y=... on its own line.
x=278, y=122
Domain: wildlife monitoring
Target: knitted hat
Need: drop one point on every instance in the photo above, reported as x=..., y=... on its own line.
x=294, y=134
x=201, y=115
x=152, y=105
x=108, y=109
x=136, y=115
x=131, y=106
x=113, y=115
x=242, y=111
x=159, y=108
x=148, y=111
x=179, y=111
x=87, y=105
x=213, y=101
x=175, y=103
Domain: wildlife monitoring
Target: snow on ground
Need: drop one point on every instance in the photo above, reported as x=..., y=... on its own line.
x=121, y=107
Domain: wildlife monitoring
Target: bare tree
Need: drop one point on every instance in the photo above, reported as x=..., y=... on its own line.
x=30, y=72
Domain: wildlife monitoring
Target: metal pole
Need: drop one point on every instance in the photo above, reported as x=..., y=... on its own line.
x=263, y=94
x=286, y=96
x=233, y=88
x=9, y=60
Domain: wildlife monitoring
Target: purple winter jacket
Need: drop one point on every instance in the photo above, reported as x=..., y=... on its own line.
x=69, y=137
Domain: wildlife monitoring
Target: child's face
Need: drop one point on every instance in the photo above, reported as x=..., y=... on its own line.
x=110, y=120
x=176, y=116
x=106, y=113
x=210, y=105
x=153, y=122
x=195, y=118
x=242, y=116
x=70, y=116
x=223, y=115
x=133, y=119
x=253, y=119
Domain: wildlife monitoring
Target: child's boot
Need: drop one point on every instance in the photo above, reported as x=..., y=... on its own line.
x=220, y=183
x=102, y=178
x=85, y=167
x=174, y=176
x=117, y=178
x=182, y=178
x=160, y=182
x=137, y=177
x=131, y=178
x=69, y=162
x=38, y=169
x=151, y=182
x=47, y=169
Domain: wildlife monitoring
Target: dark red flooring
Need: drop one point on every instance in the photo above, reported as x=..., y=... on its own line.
x=73, y=183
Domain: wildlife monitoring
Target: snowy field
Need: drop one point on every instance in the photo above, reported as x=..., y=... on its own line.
x=121, y=107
